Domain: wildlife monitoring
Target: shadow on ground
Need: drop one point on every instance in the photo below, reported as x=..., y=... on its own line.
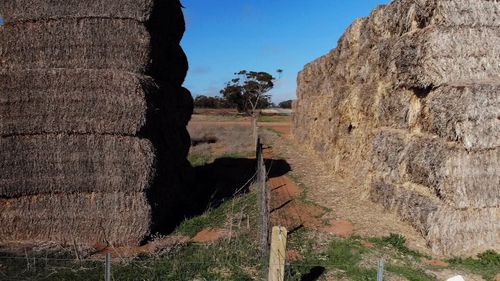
x=314, y=274
x=226, y=177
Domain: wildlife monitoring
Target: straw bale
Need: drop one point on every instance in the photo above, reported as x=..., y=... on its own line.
x=410, y=205
x=29, y=10
x=404, y=16
x=93, y=43
x=461, y=178
x=388, y=151
x=460, y=232
x=447, y=230
x=434, y=56
x=467, y=113
x=40, y=164
x=117, y=218
x=73, y=100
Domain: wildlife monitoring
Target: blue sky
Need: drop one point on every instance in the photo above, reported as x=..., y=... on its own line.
x=225, y=36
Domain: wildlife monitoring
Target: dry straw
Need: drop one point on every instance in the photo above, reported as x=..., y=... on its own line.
x=30, y=10
x=116, y=218
x=49, y=164
x=94, y=43
x=73, y=101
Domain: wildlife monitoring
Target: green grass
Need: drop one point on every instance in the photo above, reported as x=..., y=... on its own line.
x=235, y=259
x=409, y=273
x=276, y=118
x=398, y=242
x=218, y=216
x=199, y=159
x=486, y=264
x=278, y=133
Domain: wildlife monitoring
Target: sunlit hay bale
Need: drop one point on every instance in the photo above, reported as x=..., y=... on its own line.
x=414, y=207
x=435, y=56
x=117, y=218
x=73, y=101
x=464, y=232
x=93, y=43
x=448, y=231
x=388, y=155
x=30, y=10
x=461, y=178
x=405, y=16
x=47, y=164
x=467, y=113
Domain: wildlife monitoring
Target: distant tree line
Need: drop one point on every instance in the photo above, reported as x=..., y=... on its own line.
x=248, y=91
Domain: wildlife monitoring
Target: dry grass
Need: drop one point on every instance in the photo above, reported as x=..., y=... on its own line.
x=219, y=139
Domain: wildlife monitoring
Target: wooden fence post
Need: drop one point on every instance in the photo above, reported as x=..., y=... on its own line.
x=107, y=267
x=277, y=255
x=264, y=200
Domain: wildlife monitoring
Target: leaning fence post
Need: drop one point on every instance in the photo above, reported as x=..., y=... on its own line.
x=277, y=255
x=107, y=268
x=264, y=199
x=380, y=272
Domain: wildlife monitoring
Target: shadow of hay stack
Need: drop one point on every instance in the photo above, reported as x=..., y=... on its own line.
x=93, y=121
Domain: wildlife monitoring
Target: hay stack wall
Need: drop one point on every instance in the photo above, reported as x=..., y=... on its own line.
x=410, y=100
x=93, y=121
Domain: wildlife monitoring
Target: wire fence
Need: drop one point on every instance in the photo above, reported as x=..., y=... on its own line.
x=240, y=250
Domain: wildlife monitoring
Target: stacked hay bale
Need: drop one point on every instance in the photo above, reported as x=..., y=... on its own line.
x=411, y=99
x=92, y=120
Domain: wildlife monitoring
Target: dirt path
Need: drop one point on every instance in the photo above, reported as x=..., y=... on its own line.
x=347, y=202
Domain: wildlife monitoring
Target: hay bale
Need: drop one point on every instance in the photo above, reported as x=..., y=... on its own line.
x=460, y=178
x=29, y=10
x=73, y=101
x=93, y=43
x=467, y=113
x=116, y=218
x=409, y=97
x=388, y=150
x=412, y=206
x=448, y=231
x=435, y=56
x=42, y=164
x=462, y=232
x=404, y=16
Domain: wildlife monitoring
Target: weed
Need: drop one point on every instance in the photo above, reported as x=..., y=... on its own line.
x=409, y=273
x=487, y=264
x=398, y=242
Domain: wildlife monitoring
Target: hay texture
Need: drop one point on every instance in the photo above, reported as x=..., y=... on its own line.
x=46, y=164
x=116, y=218
x=76, y=43
x=73, y=101
x=30, y=10
x=93, y=121
x=410, y=98
x=432, y=218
